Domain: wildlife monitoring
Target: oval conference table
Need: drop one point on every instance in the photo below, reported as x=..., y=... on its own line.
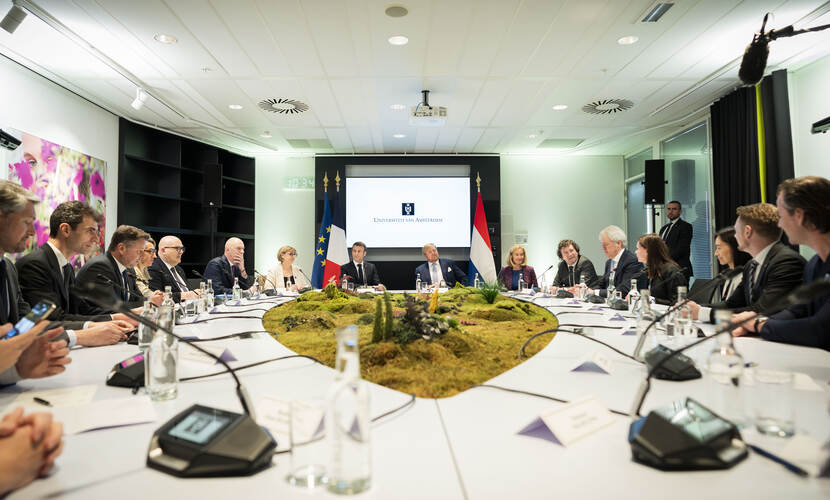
x=464, y=446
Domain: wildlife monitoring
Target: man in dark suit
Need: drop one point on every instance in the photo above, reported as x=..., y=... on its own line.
x=434, y=270
x=573, y=266
x=165, y=270
x=621, y=266
x=678, y=237
x=361, y=273
x=113, y=270
x=223, y=269
x=805, y=217
x=774, y=271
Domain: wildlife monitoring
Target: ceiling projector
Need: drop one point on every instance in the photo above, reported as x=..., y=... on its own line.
x=424, y=115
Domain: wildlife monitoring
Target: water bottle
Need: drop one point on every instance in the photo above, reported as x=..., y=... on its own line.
x=344, y=282
x=168, y=298
x=725, y=366
x=209, y=295
x=633, y=296
x=160, y=360
x=418, y=283
x=237, y=292
x=521, y=282
x=645, y=318
x=683, y=317
x=200, y=303
x=476, y=282
x=610, y=296
x=583, y=286
x=348, y=421
x=145, y=333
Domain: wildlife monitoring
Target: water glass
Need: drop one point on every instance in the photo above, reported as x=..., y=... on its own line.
x=160, y=365
x=774, y=409
x=308, y=446
x=189, y=307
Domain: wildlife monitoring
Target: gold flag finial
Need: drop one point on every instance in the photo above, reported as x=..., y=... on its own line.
x=337, y=181
x=325, y=182
x=478, y=182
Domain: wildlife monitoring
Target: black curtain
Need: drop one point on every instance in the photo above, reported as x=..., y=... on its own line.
x=777, y=131
x=735, y=170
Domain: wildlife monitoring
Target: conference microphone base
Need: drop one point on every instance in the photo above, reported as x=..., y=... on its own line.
x=685, y=436
x=208, y=442
x=678, y=368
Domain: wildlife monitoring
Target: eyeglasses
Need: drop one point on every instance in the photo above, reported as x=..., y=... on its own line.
x=293, y=254
x=178, y=249
x=150, y=251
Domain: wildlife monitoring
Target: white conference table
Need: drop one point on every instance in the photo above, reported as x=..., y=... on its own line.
x=465, y=446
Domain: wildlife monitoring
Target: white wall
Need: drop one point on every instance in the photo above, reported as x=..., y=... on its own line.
x=553, y=198
x=39, y=107
x=283, y=217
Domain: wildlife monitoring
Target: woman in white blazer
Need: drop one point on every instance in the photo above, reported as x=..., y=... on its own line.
x=286, y=275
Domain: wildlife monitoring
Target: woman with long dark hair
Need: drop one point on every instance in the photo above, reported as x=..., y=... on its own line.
x=662, y=275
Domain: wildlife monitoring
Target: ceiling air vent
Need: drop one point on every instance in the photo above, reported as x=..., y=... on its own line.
x=310, y=144
x=607, y=106
x=283, y=106
x=559, y=143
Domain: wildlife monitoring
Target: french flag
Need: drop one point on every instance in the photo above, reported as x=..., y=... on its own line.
x=481, y=254
x=337, y=254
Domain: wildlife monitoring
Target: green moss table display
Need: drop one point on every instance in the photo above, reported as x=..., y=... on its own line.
x=466, y=341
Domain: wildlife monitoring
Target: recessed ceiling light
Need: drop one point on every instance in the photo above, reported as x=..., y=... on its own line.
x=628, y=40
x=560, y=107
x=398, y=136
x=266, y=135
x=398, y=40
x=207, y=70
x=234, y=106
x=398, y=107
x=531, y=136
x=168, y=39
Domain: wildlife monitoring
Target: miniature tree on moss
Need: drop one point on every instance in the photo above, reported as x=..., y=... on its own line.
x=387, y=330
x=377, y=329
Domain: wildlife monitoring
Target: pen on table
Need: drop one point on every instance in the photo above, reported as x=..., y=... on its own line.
x=42, y=401
x=751, y=364
x=775, y=458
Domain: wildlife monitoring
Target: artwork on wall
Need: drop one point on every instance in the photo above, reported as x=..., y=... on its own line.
x=57, y=174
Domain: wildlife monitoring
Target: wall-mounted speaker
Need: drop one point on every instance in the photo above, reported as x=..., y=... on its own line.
x=655, y=183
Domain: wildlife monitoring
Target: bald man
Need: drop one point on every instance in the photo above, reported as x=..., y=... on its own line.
x=223, y=269
x=165, y=270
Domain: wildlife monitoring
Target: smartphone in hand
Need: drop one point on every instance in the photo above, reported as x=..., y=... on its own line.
x=41, y=311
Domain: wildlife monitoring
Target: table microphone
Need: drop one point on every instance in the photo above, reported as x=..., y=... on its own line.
x=307, y=288
x=267, y=280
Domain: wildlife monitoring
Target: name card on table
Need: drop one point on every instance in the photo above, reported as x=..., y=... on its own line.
x=570, y=423
x=594, y=362
x=191, y=354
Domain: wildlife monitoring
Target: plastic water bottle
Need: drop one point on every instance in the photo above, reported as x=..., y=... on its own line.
x=683, y=317
x=725, y=366
x=168, y=299
x=633, y=296
x=209, y=295
x=644, y=319
x=521, y=282
x=145, y=333
x=418, y=283
x=348, y=421
x=610, y=296
x=476, y=282
x=237, y=292
x=583, y=286
x=161, y=359
x=200, y=303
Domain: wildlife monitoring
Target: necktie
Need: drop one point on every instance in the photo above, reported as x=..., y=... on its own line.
x=612, y=273
x=436, y=276
x=360, y=277
x=68, y=275
x=571, y=273
x=126, y=293
x=750, y=279
x=4, y=293
x=667, y=231
x=179, y=280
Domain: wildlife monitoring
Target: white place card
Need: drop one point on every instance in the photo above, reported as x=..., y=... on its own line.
x=57, y=398
x=595, y=362
x=570, y=423
x=275, y=415
x=106, y=413
x=190, y=353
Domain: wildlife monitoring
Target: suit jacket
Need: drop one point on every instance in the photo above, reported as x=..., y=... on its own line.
x=370, y=273
x=41, y=278
x=583, y=266
x=528, y=276
x=679, y=241
x=664, y=286
x=220, y=270
x=804, y=324
x=452, y=273
x=628, y=268
x=160, y=277
x=106, y=266
x=780, y=273
x=276, y=279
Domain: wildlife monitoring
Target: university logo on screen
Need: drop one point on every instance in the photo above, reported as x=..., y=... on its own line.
x=407, y=209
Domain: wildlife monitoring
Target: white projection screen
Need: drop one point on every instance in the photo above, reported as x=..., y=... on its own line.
x=407, y=212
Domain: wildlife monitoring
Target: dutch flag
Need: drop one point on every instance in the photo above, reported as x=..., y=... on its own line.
x=481, y=254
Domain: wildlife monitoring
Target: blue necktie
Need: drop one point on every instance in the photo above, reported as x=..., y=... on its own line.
x=126, y=293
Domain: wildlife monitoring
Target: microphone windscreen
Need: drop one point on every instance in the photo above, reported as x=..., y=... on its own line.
x=754, y=61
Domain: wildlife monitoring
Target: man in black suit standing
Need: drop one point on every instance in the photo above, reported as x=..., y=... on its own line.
x=621, y=266
x=165, y=270
x=805, y=217
x=223, y=269
x=114, y=269
x=774, y=271
x=435, y=270
x=362, y=273
x=678, y=237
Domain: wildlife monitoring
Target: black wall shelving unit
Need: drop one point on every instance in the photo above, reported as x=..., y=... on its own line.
x=161, y=184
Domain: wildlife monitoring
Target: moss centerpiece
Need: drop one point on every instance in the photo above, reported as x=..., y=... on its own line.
x=431, y=345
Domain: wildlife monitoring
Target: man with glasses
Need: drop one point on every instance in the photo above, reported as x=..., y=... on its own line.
x=166, y=271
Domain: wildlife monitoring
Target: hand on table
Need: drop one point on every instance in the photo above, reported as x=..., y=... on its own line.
x=44, y=358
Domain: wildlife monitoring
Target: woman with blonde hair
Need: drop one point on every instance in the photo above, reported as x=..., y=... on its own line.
x=142, y=277
x=286, y=275
x=516, y=266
